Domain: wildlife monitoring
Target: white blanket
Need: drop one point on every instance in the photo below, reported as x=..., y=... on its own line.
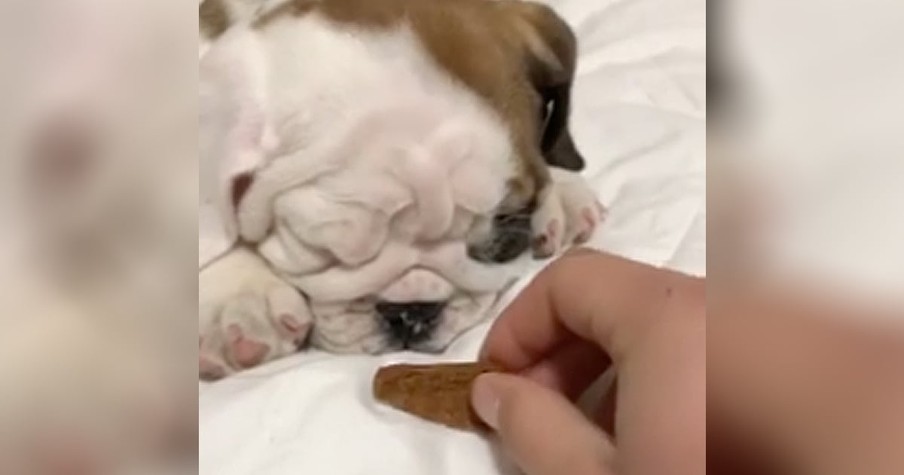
x=640, y=121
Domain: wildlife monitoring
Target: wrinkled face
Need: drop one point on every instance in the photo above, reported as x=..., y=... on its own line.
x=408, y=156
x=410, y=242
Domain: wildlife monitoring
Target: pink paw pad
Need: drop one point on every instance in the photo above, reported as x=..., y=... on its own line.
x=246, y=352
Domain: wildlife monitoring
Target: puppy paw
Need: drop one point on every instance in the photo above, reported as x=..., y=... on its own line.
x=548, y=231
x=586, y=217
x=248, y=316
x=568, y=214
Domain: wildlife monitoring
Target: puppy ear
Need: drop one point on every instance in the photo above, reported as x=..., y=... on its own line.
x=549, y=47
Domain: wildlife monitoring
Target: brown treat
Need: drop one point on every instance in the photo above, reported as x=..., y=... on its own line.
x=440, y=393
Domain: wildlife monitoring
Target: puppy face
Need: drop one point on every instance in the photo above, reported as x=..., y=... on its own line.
x=404, y=147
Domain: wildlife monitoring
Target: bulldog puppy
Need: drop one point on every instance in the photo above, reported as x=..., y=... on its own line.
x=379, y=170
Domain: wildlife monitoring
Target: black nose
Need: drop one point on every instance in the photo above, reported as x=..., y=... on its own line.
x=410, y=321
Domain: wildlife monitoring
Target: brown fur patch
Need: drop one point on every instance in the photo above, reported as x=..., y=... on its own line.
x=509, y=52
x=213, y=18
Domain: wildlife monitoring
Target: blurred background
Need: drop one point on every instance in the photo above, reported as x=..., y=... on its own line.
x=805, y=351
x=98, y=185
x=805, y=134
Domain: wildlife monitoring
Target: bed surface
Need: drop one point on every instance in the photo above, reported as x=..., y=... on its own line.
x=639, y=119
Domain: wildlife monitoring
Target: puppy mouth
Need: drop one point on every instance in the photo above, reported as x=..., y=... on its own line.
x=373, y=326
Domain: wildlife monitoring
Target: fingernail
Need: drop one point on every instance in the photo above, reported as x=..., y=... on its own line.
x=485, y=400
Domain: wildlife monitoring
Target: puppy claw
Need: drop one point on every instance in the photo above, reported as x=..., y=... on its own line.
x=582, y=238
x=294, y=329
x=208, y=367
x=590, y=217
x=541, y=247
x=601, y=211
x=291, y=324
x=210, y=371
x=546, y=243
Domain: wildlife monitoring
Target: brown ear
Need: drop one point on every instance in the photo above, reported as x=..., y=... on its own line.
x=549, y=47
x=213, y=18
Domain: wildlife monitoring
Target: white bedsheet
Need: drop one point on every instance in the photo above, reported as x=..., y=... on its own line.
x=640, y=120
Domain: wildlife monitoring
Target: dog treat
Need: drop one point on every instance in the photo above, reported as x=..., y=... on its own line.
x=440, y=393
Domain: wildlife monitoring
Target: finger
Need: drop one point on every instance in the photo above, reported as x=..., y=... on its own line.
x=660, y=416
x=586, y=294
x=571, y=368
x=605, y=412
x=541, y=430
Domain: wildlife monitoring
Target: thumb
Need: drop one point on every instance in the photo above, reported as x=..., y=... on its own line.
x=541, y=430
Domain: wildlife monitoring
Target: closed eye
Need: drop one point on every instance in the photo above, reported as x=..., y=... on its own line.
x=511, y=236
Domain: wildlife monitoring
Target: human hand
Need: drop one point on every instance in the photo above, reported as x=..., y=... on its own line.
x=585, y=313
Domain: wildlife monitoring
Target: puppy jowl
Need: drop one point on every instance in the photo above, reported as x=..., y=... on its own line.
x=366, y=185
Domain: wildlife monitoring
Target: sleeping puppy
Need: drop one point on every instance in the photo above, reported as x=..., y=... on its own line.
x=374, y=173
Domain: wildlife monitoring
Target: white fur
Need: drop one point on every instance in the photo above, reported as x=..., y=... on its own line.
x=383, y=166
x=369, y=102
